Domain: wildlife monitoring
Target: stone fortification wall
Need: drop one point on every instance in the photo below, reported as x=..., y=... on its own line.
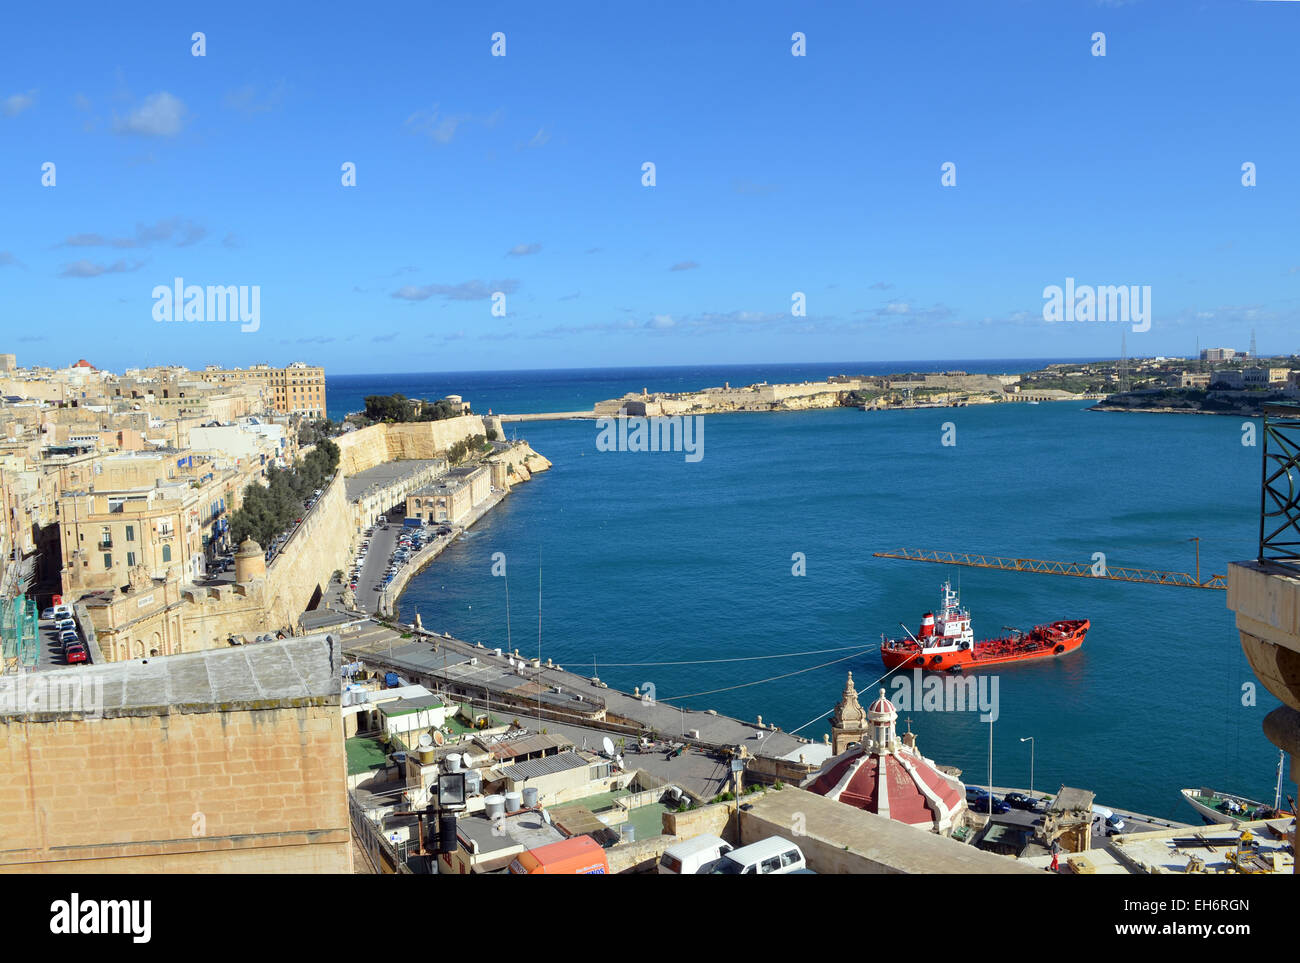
x=208, y=791
x=368, y=447
x=321, y=545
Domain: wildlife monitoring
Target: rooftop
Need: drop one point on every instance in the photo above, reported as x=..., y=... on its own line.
x=365, y=754
x=546, y=766
x=301, y=671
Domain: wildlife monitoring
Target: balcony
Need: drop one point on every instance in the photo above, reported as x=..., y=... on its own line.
x=105, y=544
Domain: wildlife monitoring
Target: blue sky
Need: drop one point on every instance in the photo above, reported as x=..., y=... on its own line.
x=775, y=174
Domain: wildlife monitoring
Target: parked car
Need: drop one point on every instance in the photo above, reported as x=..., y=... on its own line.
x=978, y=801
x=69, y=635
x=773, y=856
x=1020, y=800
x=47, y=614
x=75, y=655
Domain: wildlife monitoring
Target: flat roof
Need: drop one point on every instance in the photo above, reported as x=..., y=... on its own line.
x=293, y=672
x=404, y=707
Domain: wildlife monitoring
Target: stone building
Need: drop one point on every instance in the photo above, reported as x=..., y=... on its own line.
x=298, y=388
x=452, y=497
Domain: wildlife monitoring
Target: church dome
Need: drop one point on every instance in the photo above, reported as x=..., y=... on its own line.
x=889, y=777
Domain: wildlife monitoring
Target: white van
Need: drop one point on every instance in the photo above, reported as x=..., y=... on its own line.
x=1114, y=823
x=693, y=856
x=772, y=855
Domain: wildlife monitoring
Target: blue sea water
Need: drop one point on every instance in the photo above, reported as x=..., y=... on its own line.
x=647, y=558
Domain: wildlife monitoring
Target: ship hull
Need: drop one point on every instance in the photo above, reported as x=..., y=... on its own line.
x=1043, y=642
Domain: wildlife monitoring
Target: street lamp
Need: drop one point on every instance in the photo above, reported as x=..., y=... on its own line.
x=1030, y=740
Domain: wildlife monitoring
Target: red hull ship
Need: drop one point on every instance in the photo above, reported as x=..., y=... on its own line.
x=947, y=644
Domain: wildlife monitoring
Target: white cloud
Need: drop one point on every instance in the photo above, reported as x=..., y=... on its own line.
x=465, y=291
x=160, y=115
x=90, y=269
x=15, y=104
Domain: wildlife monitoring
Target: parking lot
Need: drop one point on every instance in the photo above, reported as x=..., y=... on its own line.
x=384, y=542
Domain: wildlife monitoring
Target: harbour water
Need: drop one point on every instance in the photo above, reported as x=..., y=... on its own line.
x=647, y=558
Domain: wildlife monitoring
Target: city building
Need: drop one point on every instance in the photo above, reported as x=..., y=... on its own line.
x=1218, y=354
x=453, y=497
x=296, y=389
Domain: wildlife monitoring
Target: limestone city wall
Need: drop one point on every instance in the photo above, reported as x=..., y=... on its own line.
x=204, y=791
x=368, y=447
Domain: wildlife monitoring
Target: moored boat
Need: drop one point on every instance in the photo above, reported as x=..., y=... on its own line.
x=1222, y=807
x=946, y=643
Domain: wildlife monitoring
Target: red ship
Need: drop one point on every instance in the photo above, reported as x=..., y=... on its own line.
x=947, y=644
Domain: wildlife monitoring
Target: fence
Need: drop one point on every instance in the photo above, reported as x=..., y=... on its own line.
x=378, y=848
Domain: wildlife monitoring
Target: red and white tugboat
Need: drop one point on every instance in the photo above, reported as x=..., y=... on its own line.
x=947, y=644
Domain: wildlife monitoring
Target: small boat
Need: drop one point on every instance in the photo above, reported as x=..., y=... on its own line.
x=1221, y=807
x=947, y=643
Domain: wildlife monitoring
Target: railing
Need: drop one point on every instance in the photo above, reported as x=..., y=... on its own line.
x=381, y=852
x=1279, y=495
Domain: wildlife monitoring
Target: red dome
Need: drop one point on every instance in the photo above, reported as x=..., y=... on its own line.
x=83, y=363
x=900, y=784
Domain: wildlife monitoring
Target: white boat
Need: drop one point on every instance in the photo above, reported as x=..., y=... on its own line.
x=1224, y=807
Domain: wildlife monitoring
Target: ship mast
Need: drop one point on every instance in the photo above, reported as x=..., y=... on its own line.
x=1277, y=793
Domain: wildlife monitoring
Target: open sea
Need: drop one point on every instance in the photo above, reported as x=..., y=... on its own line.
x=646, y=558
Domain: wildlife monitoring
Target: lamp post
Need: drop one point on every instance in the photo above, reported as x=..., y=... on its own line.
x=1030, y=740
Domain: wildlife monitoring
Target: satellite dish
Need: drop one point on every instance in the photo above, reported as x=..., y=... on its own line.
x=426, y=740
x=608, y=745
x=438, y=738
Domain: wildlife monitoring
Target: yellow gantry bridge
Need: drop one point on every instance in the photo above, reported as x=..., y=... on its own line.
x=1044, y=567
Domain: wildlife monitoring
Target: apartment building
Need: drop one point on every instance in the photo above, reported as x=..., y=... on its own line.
x=298, y=388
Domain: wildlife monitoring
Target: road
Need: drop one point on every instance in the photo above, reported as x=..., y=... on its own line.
x=50, y=650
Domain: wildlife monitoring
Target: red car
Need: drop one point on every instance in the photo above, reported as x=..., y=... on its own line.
x=74, y=655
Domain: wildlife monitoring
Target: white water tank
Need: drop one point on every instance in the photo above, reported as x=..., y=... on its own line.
x=494, y=806
x=452, y=762
x=530, y=797
x=514, y=801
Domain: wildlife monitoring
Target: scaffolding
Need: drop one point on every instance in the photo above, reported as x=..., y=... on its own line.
x=1279, y=496
x=19, y=633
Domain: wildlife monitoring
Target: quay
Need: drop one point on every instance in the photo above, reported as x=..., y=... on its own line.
x=551, y=416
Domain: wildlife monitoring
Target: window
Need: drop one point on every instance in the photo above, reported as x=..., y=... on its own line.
x=771, y=865
x=790, y=858
x=130, y=533
x=167, y=553
x=130, y=559
x=108, y=560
